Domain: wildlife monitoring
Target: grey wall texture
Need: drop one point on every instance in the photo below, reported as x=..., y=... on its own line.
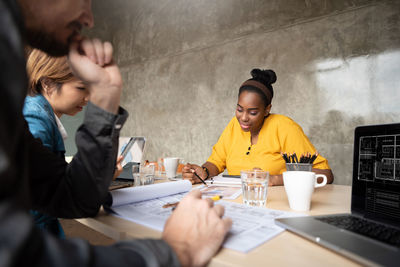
x=182, y=61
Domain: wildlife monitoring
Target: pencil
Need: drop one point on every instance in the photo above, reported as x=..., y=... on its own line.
x=173, y=205
x=200, y=178
x=285, y=158
x=313, y=157
x=295, y=157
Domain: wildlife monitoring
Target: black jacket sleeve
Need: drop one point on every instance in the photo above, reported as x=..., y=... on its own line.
x=22, y=244
x=77, y=189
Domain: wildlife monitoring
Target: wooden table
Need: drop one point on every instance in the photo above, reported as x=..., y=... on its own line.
x=286, y=249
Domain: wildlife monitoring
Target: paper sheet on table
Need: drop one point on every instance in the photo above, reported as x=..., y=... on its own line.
x=144, y=204
x=252, y=226
x=226, y=191
x=129, y=195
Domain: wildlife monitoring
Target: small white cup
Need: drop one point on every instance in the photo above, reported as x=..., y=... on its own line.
x=299, y=187
x=171, y=166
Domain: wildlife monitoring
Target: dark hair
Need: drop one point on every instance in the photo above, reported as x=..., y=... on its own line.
x=266, y=78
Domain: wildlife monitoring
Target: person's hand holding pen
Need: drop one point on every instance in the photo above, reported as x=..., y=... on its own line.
x=193, y=172
x=196, y=229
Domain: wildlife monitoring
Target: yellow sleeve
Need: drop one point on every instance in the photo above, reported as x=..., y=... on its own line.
x=293, y=139
x=220, y=149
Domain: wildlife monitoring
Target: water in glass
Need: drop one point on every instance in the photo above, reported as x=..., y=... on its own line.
x=254, y=187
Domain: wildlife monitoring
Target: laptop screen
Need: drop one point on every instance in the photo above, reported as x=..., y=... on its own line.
x=135, y=150
x=376, y=172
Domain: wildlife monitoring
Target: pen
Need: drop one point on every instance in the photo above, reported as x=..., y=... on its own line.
x=173, y=205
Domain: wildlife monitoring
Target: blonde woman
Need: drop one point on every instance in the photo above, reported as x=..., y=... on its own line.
x=53, y=91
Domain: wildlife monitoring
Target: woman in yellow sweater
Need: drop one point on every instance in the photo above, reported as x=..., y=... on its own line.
x=255, y=138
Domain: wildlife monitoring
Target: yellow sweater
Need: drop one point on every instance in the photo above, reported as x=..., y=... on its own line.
x=278, y=134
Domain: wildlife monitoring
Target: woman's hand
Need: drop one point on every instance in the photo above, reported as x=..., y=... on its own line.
x=275, y=180
x=188, y=173
x=118, y=167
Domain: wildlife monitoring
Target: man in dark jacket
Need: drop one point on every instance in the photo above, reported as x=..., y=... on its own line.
x=33, y=177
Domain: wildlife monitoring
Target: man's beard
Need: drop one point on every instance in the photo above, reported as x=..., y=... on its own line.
x=47, y=43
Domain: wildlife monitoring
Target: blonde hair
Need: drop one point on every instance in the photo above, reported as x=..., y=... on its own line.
x=42, y=68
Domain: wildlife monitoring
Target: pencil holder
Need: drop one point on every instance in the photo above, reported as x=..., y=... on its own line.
x=305, y=167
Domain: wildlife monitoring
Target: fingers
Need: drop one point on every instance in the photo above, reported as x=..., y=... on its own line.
x=118, y=170
x=73, y=49
x=196, y=219
x=118, y=167
x=88, y=49
x=219, y=210
x=119, y=159
x=186, y=168
x=194, y=194
x=191, y=171
x=98, y=52
x=224, y=224
x=210, y=202
x=227, y=223
x=108, y=53
x=187, y=173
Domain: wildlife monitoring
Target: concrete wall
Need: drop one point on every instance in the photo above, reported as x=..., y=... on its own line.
x=337, y=62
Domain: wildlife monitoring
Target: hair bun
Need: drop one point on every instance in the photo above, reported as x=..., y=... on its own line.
x=267, y=76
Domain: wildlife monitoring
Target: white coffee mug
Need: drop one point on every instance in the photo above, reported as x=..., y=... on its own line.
x=171, y=166
x=299, y=186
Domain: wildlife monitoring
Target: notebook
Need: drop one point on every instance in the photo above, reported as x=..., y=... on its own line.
x=132, y=148
x=371, y=233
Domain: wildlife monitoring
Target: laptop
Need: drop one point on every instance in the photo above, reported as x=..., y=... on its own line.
x=371, y=233
x=132, y=149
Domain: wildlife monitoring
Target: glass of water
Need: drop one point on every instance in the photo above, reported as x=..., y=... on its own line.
x=254, y=187
x=145, y=175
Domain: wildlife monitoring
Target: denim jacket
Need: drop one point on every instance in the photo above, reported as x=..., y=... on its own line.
x=42, y=124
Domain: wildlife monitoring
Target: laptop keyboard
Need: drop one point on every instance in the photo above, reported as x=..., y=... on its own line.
x=386, y=234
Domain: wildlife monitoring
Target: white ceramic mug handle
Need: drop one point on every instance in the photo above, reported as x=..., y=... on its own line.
x=325, y=180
